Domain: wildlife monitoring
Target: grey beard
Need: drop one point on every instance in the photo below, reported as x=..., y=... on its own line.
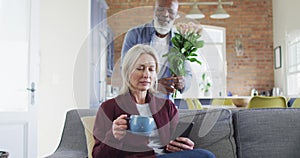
x=162, y=29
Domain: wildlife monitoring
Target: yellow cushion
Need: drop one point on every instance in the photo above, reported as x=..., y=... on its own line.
x=296, y=103
x=222, y=101
x=193, y=103
x=88, y=123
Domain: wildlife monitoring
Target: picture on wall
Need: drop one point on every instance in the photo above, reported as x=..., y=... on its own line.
x=277, y=57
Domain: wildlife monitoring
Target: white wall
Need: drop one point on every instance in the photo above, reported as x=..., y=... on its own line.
x=64, y=25
x=285, y=20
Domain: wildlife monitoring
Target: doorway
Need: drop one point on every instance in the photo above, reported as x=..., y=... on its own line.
x=19, y=73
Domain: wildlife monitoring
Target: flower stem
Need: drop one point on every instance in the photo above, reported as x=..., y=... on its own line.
x=174, y=95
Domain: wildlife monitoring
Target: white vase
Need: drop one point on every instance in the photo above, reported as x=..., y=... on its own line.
x=206, y=94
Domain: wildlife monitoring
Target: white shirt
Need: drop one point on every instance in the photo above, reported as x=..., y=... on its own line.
x=161, y=45
x=154, y=141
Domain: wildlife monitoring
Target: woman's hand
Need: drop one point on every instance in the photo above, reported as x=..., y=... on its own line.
x=119, y=127
x=181, y=143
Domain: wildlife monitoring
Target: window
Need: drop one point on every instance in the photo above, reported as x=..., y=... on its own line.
x=101, y=52
x=293, y=67
x=213, y=58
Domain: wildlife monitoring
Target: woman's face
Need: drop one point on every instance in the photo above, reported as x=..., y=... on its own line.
x=143, y=73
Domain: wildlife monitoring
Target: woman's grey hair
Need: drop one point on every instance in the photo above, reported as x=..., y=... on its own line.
x=130, y=59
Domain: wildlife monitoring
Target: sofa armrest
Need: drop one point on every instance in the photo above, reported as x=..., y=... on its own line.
x=73, y=140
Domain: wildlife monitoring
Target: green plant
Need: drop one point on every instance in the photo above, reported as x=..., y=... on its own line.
x=185, y=44
x=205, y=84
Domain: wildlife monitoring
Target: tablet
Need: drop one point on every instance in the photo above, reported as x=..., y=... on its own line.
x=183, y=129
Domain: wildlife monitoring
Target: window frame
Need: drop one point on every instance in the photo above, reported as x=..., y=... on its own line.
x=293, y=55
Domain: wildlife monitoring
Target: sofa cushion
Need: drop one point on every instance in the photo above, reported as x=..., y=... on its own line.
x=88, y=123
x=267, y=133
x=212, y=130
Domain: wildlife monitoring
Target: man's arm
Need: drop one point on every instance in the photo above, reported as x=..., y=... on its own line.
x=129, y=41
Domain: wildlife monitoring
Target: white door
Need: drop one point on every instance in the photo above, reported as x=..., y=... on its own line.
x=18, y=80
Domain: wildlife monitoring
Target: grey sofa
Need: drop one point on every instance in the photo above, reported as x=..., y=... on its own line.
x=246, y=133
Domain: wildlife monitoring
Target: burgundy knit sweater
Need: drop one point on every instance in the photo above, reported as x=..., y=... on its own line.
x=164, y=113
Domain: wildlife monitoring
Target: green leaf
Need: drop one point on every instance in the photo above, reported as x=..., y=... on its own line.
x=208, y=84
x=175, y=42
x=174, y=50
x=177, y=34
x=177, y=66
x=193, y=54
x=203, y=77
x=188, y=45
x=194, y=49
x=194, y=60
x=198, y=44
x=197, y=36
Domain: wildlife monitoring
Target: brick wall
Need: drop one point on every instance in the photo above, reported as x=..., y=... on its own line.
x=250, y=19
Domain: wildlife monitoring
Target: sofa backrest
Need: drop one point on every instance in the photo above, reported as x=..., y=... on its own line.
x=267, y=133
x=257, y=132
x=213, y=130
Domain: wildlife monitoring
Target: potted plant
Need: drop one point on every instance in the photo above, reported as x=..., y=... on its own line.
x=205, y=85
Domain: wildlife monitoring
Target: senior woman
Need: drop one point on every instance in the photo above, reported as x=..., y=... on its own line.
x=137, y=97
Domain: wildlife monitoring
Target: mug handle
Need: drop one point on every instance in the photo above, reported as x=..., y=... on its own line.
x=128, y=122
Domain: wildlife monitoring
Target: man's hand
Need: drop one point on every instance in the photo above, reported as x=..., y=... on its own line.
x=170, y=84
x=166, y=85
x=181, y=143
x=179, y=82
